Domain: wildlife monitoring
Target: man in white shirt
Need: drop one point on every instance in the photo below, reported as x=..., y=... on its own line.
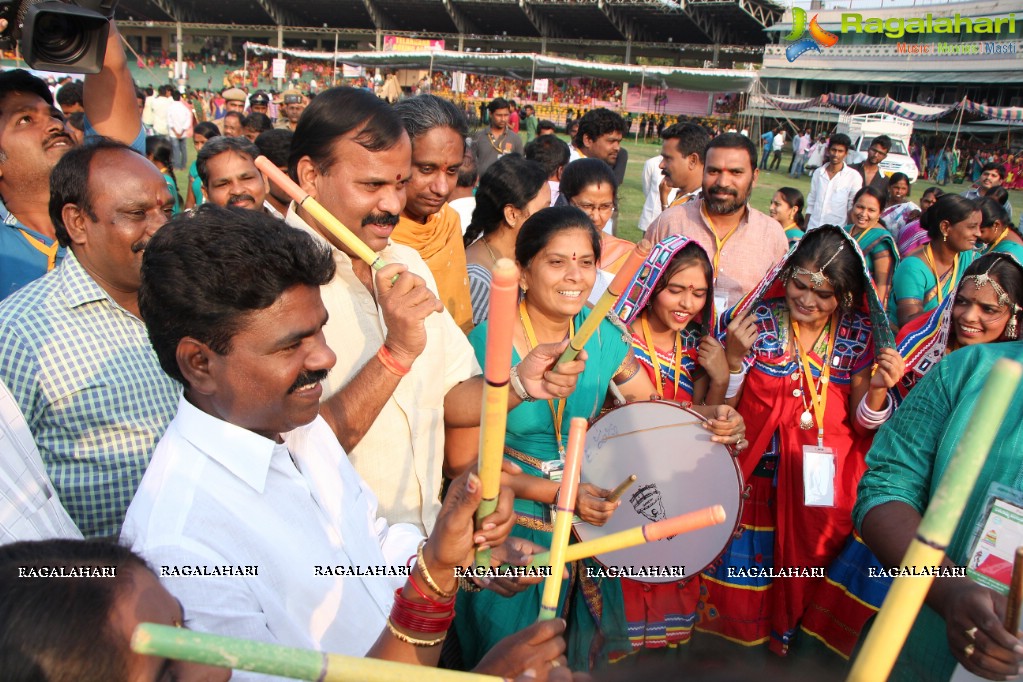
x=161, y=104
x=404, y=369
x=250, y=512
x=832, y=186
x=179, y=126
x=777, y=147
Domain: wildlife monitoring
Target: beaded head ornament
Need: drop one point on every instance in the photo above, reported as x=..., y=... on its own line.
x=818, y=279
x=985, y=279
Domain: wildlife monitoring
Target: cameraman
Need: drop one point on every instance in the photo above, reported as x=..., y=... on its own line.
x=33, y=137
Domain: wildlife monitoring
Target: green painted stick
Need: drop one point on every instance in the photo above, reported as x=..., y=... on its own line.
x=907, y=594
x=151, y=639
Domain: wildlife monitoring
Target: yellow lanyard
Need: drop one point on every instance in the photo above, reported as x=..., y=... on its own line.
x=1003, y=235
x=493, y=141
x=684, y=199
x=929, y=259
x=719, y=242
x=676, y=358
x=557, y=406
x=49, y=251
x=820, y=400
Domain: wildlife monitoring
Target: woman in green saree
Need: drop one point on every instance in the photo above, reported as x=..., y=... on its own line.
x=557, y=251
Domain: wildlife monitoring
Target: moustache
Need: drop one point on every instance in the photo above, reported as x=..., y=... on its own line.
x=139, y=246
x=238, y=198
x=722, y=190
x=306, y=378
x=389, y=219
x=55, y=136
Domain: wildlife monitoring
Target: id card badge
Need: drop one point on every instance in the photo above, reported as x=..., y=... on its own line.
x=818, y=476
x=993, y=549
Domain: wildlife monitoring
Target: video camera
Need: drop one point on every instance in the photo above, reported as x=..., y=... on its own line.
x=69, y=37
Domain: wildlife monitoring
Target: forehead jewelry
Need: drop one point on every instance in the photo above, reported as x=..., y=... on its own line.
x=818, y=279
x=985, y=279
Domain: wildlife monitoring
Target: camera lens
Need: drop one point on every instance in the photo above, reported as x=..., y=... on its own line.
x=60, y=38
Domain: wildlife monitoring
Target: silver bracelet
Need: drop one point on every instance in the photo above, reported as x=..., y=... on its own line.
x=734, y=384
x=872, y=419
x=516, y=385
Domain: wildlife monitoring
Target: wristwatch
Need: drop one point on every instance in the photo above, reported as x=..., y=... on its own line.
x=516, y=385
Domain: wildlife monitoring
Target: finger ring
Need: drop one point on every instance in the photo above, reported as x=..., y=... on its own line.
x=555, y=664
x=972, y=633
x=968, y=650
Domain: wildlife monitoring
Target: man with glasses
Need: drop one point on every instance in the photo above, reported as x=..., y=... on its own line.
x=869, y=169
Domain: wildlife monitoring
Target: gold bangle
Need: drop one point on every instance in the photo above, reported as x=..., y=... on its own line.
x=421, y=565
x=399, y=635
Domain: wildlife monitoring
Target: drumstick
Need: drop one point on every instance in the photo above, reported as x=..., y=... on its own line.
x=906, y=595
x=606, y=302
x=650, y=532
x=504, y=293
x=565, y=505
x=322, y=215
x=1014, y=604
x=151, y=639
x=621, y=488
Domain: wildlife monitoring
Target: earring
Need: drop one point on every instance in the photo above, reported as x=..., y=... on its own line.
x=1011, y=329
x=847, y=300
x=944, y=237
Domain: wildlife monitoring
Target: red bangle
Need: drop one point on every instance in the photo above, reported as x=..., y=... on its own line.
x=390, y=364
x=422, y=593
x=409, y=621
x=433, y=606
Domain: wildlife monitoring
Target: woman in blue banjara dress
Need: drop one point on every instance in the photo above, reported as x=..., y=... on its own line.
x=557, y=250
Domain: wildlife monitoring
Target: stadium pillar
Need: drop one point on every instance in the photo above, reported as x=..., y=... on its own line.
x=461, y=42
x=280, y=52
x=628, y=60
x=543, y=44
x=380, y=40
x=714, y=61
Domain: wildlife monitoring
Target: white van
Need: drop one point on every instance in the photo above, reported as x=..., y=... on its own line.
x=863, y=128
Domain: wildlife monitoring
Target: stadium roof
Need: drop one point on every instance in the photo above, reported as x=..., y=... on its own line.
x=702, y=22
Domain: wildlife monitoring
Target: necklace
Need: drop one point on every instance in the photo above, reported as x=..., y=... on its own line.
x=818, y=392
x=676, y=357
x=489, y=250
x=557, y=406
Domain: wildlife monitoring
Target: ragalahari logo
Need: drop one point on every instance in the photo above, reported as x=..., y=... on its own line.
x=817, y=39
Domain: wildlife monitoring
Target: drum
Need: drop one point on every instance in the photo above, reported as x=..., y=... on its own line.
x=678, y=469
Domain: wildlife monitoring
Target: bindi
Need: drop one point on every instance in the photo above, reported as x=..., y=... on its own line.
x=573, y=255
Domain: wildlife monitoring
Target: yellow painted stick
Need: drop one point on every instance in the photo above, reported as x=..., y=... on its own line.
x=322, y=215
x=606, y=301
x=565, y=508
x=504, y=294
x=907, y=594
x=271, y=659
x=620, y=489
x=650, y=532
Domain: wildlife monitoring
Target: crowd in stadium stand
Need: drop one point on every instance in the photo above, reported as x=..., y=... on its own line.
x=267, y=427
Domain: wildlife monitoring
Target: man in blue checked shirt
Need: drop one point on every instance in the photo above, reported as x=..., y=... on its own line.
x=33, y=138
x=73, y=349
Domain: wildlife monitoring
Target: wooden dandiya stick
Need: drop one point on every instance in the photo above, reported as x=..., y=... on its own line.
x=620, y=489
x=504, y=294
x=650, y=532
x=151, y=639
x=907, y=593
x=1014, y=603
x=565, y=507
x=606, y=301
x=322, y=215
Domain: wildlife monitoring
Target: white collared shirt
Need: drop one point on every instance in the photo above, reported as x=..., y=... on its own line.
x=402, y=454
x=217, y=495
x=831, y=197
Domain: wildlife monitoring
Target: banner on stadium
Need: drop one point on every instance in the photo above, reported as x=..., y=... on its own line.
x=402, y=44
x=912, y=111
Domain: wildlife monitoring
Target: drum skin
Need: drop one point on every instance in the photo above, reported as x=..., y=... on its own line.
x=679, y=470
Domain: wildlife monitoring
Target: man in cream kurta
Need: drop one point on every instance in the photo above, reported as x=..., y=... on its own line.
x=407, y=436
